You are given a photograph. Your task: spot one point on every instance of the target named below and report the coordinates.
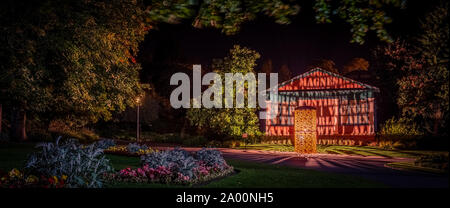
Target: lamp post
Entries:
(137, 119)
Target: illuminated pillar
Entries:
(305, 125)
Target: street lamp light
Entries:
(138, 100)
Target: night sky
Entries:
(298, 44)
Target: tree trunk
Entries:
(183, 130)
(436, 125)
(18, 125)
(0, 118)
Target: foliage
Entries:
(229, 15)
(128, 150)
(105, 144)
(418, 69)
(176, 166)
(266, 67)
(83, 165)
(165, 175)
(18, 179)
(401, 127)
(401, 133)
(81, 134)
(284, 73)
(176, 159)
(325, 64)
(134, 147)
(424, 93)
(362, 15)
(230, 121)
(438, 161)
(356, 64)
(192, 141)
(75, 62)
(39, 135)
(211, 157)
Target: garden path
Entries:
(370, 167)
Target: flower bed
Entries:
(72, 165)
(17, 179)
(82, 166)
(132, 149)
(175, 167)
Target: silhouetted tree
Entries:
(356, 64)
(325, 64)
(419, 68)
(284, 74)
(266, 67)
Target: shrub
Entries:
(402, 127)
(195, 141)
(125, 150)
(402, 133)
(135, 148)
(274, 139)
(88, 134)
(177, 160)
(81, 134)
(83, 165)
(437, 161)
(214, 143)
(39, 135)
(232, 144)
(211, 157)
(176, 166)
(105, 144)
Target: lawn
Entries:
(347, 150)
(257, 175)
(250, 175)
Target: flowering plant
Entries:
(130, 149)
(83, 165)
(173, 166)
(18, 179)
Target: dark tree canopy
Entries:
(418, 69)
(356, 64)
(75, 60)
(325, 64)
(284, 73)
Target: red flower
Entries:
(51, 181)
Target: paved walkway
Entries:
(370, 167)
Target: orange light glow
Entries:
(305, 130)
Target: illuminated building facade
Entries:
(345, 107)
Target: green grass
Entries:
(258, 175)
(269, 147)
(347, 150)
(250, 175)
(14, 155)
(412, 167)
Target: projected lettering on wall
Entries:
(345, 107)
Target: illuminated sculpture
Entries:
(345, 107)
(305, 126)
